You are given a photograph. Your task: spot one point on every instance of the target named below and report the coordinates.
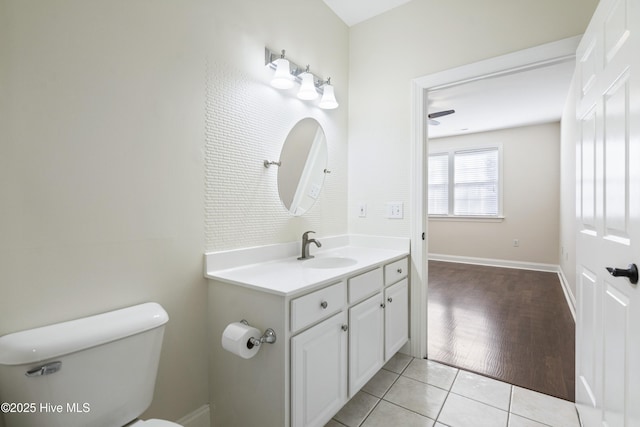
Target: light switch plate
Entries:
(395, 210)
(315, 191)
(362, 210)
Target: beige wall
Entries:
(414, 40)
(102, 173)
(569, 133)
(531, 199)
(103, 157)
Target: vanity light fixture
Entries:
(308, 90)
(328, 101)
(282, 78)
(287, 73)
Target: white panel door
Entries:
(608, 216)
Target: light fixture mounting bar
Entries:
(271, 55)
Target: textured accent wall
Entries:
(247, 122)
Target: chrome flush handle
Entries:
(46, 369)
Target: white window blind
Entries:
(439, 184)
(476, 182)
(465, 183)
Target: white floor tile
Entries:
(397, 363)
(356, 410)
(518, 421)
(483, 389)
(544, 409)
(380, 383)
(387, 414)
(459, 411)
(417, 396)
(431, 372)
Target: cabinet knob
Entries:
(324, 304)
(345, 328)
(382, 305)
(390, 299)
(399, 271)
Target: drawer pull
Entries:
(399, 271)
(324, 305)
(345, 328)
(390, 299)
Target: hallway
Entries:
(509, 324)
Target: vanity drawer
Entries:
(396, 271)
(317, 305)
(365, 284)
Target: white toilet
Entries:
(96, 371)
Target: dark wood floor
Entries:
(509, 324)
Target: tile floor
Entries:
(410, 392)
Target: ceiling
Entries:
(355, 11)
(509, 100)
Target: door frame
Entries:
(531, 58)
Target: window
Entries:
(439, 184)
(465, 183)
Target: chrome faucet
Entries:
(306, 241)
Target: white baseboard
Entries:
(198, 418)
(571, 299)
(495, 262)
(551, 268)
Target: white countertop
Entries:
(288, 276)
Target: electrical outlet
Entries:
(516, 243)
(395, 210)
(362, 210)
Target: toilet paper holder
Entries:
(269, 337)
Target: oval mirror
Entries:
(303, 161)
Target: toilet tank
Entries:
(95, 371)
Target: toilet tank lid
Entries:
(55, 340)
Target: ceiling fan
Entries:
(433, 116)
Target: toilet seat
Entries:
(154, 423)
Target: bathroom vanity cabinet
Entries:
(372, 324)
(333, 335)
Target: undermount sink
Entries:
(330, 262)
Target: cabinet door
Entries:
(396, 327)
(319, 372)
(366, 328)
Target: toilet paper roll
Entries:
(235, 339)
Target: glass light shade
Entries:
(328, 101)
(282, 78)
(307, 88)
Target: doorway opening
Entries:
(530, 59)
